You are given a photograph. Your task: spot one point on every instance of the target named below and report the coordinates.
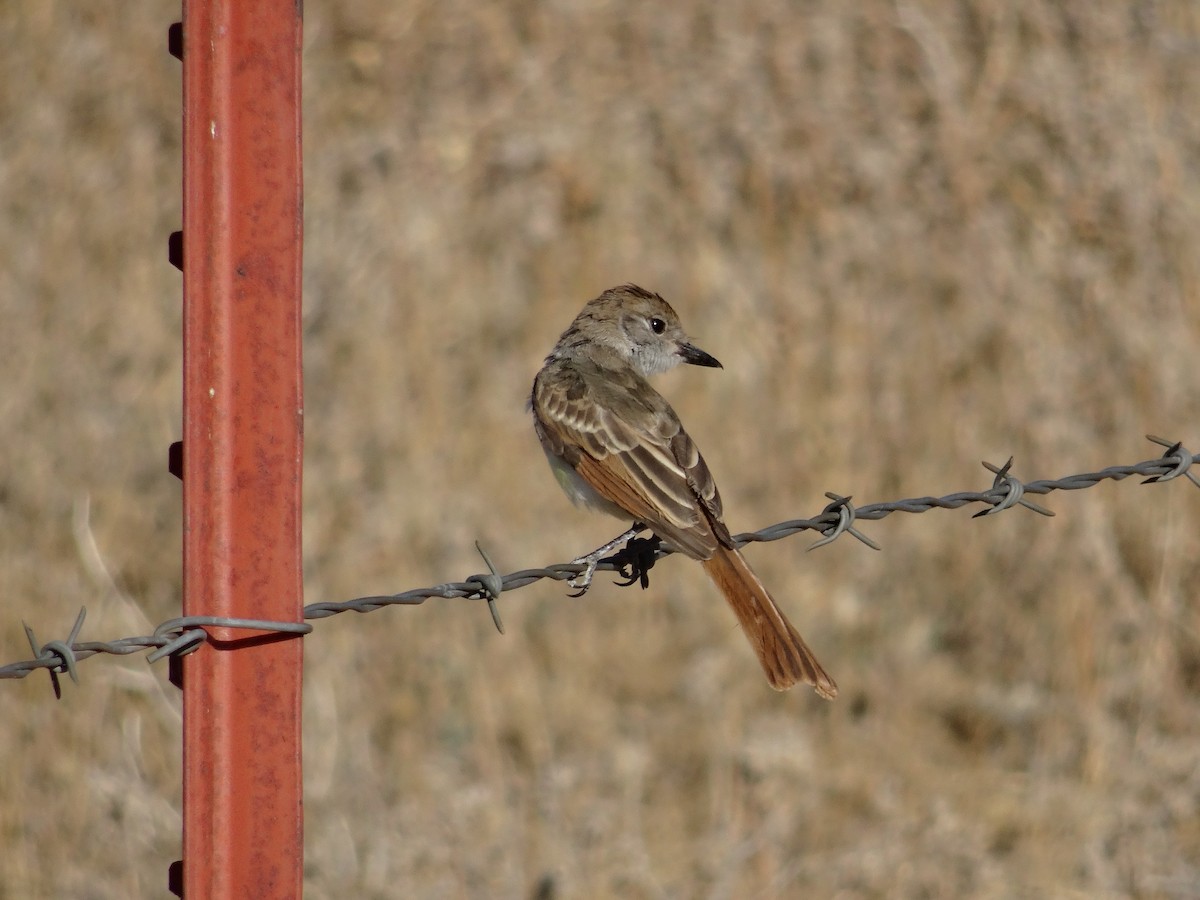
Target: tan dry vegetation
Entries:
(917, 234)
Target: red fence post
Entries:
(242, 824)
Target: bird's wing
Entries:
(622, 437)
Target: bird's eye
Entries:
(657, 325)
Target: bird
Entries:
(615, 445)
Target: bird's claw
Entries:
(636, 559)
(583, 580)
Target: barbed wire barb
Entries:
(1183, 461)
(490, 586)
(182, 635)
(1013, 491)
(58, 656)
(845, 523)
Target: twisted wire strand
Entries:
(179, 636)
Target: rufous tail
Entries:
(782, 652)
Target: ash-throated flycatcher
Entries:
(616, 445)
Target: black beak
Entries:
(695, 356)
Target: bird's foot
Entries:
(583, 580)
(636, 559)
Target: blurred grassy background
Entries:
(917, 234)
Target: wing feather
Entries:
(622, 437)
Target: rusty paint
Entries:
(242, 830)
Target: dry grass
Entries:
(917, 236)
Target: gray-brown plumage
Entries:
(615, 444)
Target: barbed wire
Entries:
(182, 635)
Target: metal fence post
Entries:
(241, 256)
